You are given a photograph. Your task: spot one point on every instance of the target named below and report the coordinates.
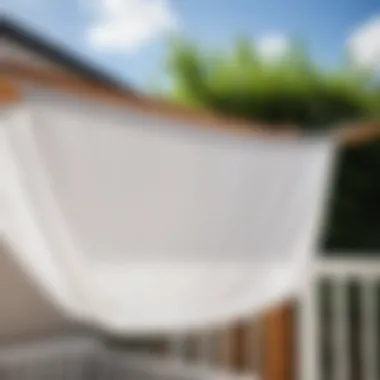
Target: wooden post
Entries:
(275, 341)
(279, 344)
(233, 344)
(8, 91)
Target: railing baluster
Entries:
(340, 352)
(309, 342)
(226, 348)
(177, 346)
(368, 329)
(205, 347)
(253, 345)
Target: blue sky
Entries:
(127, 37)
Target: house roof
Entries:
(26, 38)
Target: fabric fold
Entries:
(157, 226)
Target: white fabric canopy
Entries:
(140, 225)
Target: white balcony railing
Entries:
(349, 331)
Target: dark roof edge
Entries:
(32, 41)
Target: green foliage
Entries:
(289, 90)
(293, 90)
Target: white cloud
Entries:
(126, 25)
(272, 47)
(364, 44)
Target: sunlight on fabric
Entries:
(160, 226)
(23, 237)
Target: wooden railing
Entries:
(331, 332)
(260, 347)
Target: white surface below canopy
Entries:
(141, 226)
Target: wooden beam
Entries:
(279, 344)
(352, 135)
(150, 106)
(8, 91)
(349, 135)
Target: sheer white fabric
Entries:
(146, 226)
